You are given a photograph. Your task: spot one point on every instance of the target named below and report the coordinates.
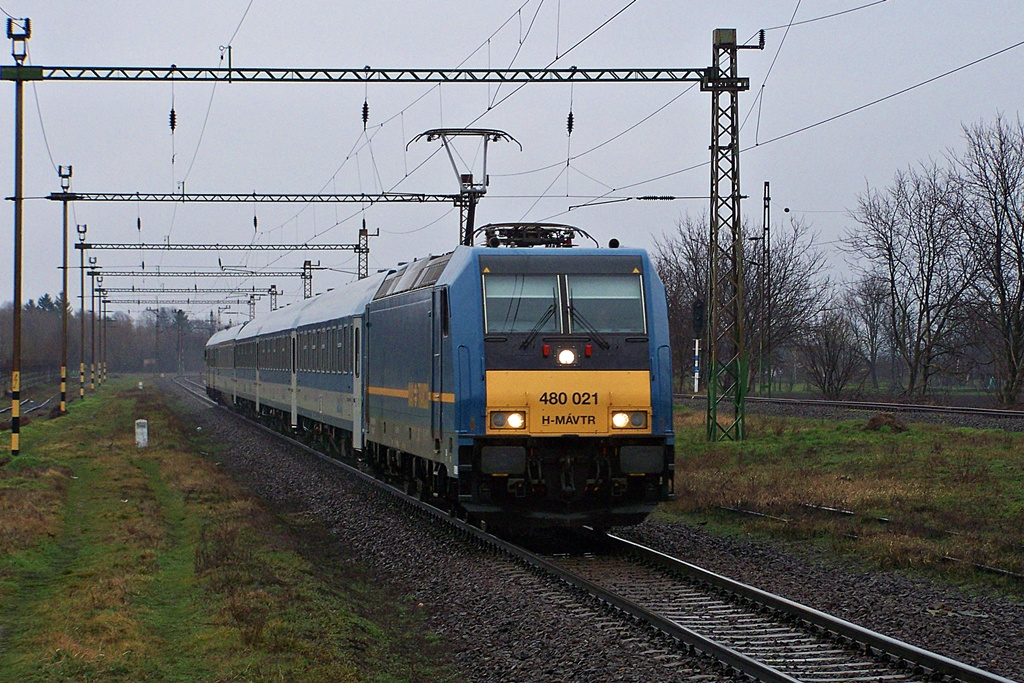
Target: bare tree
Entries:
(681, 259)
(867, 301)
(797, 283)
(910, 236)
(831, 352)
(991, 172)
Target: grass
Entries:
(121, 564)
(920, 494)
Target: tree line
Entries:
(935, 300)
(158, 340)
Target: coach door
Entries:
(357, 384)
(293, 390)
(437, 388)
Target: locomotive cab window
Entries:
(521, 303)
(606, 304)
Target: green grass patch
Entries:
(121, 564)
(920, 493)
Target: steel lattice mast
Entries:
(727, 362)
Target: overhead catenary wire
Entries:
(824, 16)
(817, 124)
(759, 100)
(39, 113)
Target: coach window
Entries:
(606, 303)
(336, 349)
(521, 303)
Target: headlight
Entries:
(502, 420)
(634, 420)
(566, 357)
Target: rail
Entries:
(738, 662)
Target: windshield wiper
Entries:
(536, 328)
(576, 316)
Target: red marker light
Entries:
(588, 350)
(546, 350)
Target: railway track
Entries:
(874, 406)
(757, 635)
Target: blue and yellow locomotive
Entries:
(522, 387)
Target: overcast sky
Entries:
(309, 138)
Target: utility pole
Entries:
(82, 229)
(65, 184)
(19, 35)
(92, 325)
(103, 339)
(765, 350)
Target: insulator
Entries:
(138, 223)
(366, 113)
(568, 123)
(254, 222)
(173, 119)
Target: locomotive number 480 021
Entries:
(561, 398)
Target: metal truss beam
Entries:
(253, 197)
(364, 75)
(175, 302)
(218, 247)
(199, 273)
(186, 290)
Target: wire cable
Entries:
(813, 125)
(825, 16)
(39, 112)
(889, 96)
(760, 95)
(240, 22)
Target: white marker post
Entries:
(696, 365)
(141, 434)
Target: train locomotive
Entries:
(521, 387)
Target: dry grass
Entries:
(945, 492)
(126, 564)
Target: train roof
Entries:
(348, 299)
(352, 298)
(225, 335)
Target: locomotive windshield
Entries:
(521, 303)
(605, 303)
(533, 303)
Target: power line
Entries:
(825, 16)
(890, 96)
(240, 21)
(810, 126)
